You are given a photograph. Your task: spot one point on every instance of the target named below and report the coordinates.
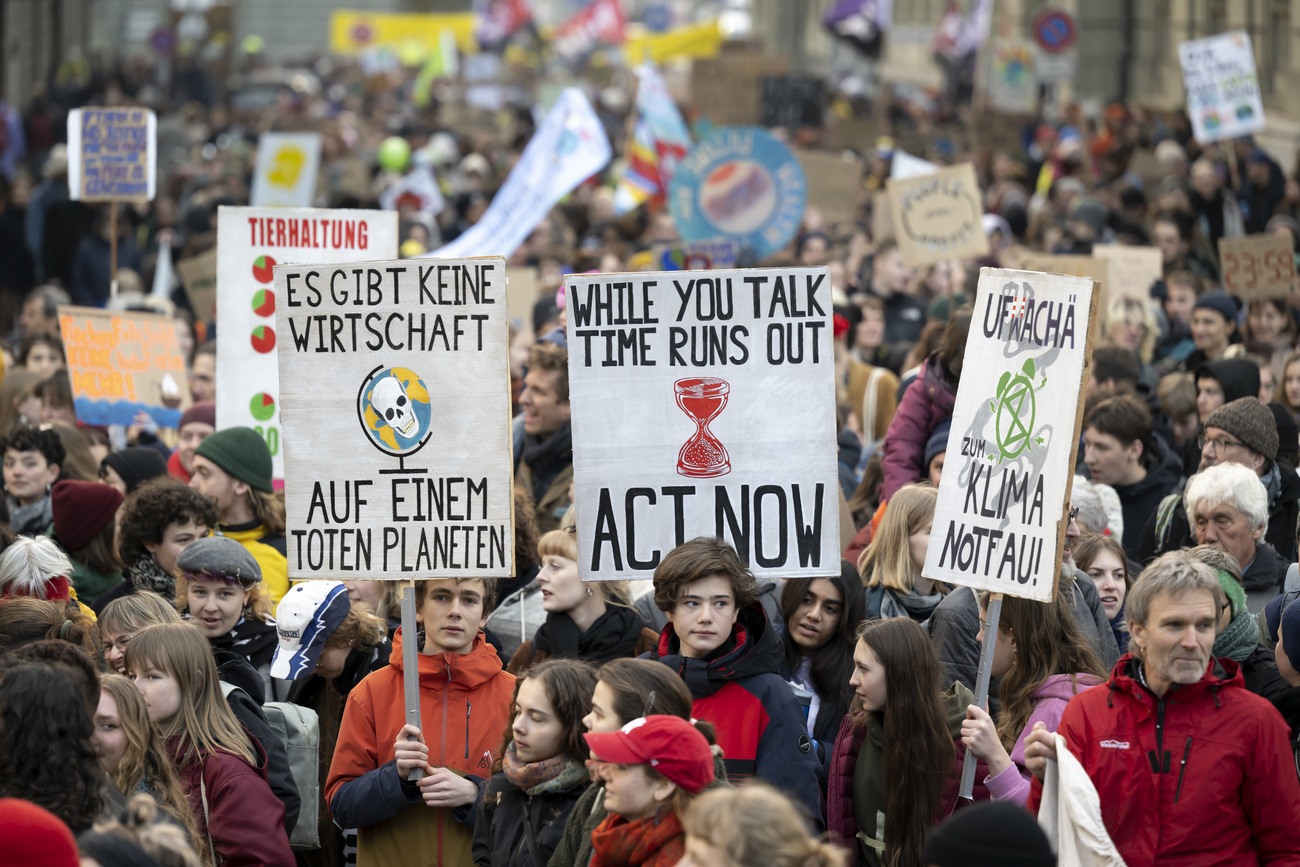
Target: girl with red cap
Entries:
(653, 768)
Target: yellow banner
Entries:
(695, 40)
(352, 32)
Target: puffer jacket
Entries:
(928, 402)
(1209, 763)
(464, 706)
(500, 832)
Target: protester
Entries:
(382, 597)
(197, 424)
(157, 523)
(221, 768)
(821, 618)
(120, 619)
(1104, 560)
(992, 834)
(203, 378)
(891, 565)
(1217, 782)
(144, 836)
(593, 621)
(1238, 636)
(719, 641)
(32, 458)
(544, 465)
(1228, 508)
(128, 469)
(84, 527)
(891, 281)
(897, 762)
(223, 597)
(25, 621)
(653, 768)
(36, 567)
(368, 786)
(754, 826)
(1287, 702)
(233, 467)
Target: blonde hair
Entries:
(136, 611)
(564, 543)
(887, 560)
(162, 841)
(1134, 312)
(361, 628)
(757, 826)
(204, 723)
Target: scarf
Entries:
(250, 638)
(1119, 626)
(656, 841)
(613, 635)
(1273, 484)
(1237, 642)
(913, 605)
(32, 519)
(146, 574)
(545, 458)
(556, 774)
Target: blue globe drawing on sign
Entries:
(393, 406)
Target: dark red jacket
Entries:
(927, 401)
(1199, 778)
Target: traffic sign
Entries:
(1054, 30)
(163, 41)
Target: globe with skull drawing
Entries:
(393, 405)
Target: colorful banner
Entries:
(599, 22)
(499, 21)
(710, 411)
(860, 23)
(353, 32)
(660, 140)
(250, 243)
(398, 448)
(695, 256)
(418, 190)
(287, 164)
(695, 41)
(121, 364)
(1012, 86)
(742, 184)
(999, 524)
(112, 154)
(939, 215)
(569, 147)
(1223, 99)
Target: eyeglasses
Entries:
(1219, 446)
(121, 643)
(1073, 514)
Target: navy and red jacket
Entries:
(760, 723)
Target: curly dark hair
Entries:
(152, 507)
(52, 651)
(46, 756)
(29, 438)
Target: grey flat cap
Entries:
(221, 555)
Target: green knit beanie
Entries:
(242, 453)
(1233, 589)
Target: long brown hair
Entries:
(145, 758)
(205, 723)
(919, 752)
(1048, 642)
(569, 684)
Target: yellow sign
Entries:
(695, 40)
(352, 32)
(288, 165)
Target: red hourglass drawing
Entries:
(702, 457)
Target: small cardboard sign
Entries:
(1223, 99)
(1000, 522)
(287, 164)
(1073, 266)
(1257, 266)
(112, 154)
(199, 277)
(833, 183)
(120, 364)
(938, 216)
(521, 294)
(396, 415)
(1130, 270)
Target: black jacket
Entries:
(1142, 498)
(1261, 674)
(500, 830)
(1287, 703)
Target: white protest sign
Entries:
(395, 379)
(703, 405)
(418, 191)
(1223, 99)
(1012, 84)
(903, 166)
(250, 243)
(999, 524)
(112, 154)
(287, 163)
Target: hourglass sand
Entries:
(703, 399)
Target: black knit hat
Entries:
(1249, 421)
(242, 453)
(991, 834)
(136, 465)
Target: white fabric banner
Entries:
(703, 405)
(250, 243)
(395, 378)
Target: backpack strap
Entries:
(1165, 519)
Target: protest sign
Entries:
(834, 183)
(566, 149)
(703, 404)
(1257, 266)
(121, 364)
(1130, 271)
(1223, 99)
(418, 191)
(999, 523)
(695, 256)
(287, 163)
(743, 184)
(353, 32)
(792, 101)
(199, 277)
(882, 218)
(938, 216)
(1073, 266)
(250, 243)
(112, 154)
(903, 165)
(1012, 86)
(521, 295)
(378, 361)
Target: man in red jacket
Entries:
(1191, 768)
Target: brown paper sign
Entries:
(938, 216)
(1074, 266)
(1132, 270)
(1257, 266)
(199, 276)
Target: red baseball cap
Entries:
(669, 744)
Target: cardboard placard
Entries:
(521, 294)
(287, 164)
(938, 216)
(1073, 266)
(1130, 270)
(1223, 99)
(999, 523)
(112, 154)
(882, 217)
(834, 183)
(397, 419)
(199, 277)
(1257, 266)
(121, 364)
(735, 370)
(250, 243)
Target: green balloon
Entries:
(394, 153)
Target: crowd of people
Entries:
(167, 697)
